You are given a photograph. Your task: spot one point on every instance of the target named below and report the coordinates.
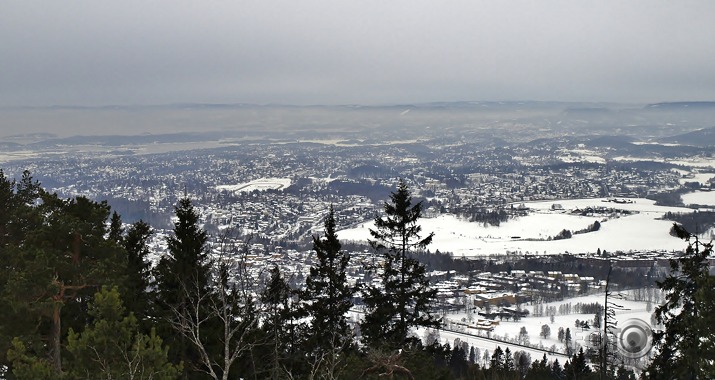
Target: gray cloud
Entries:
(367, 52)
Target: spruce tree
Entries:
(327, 296)
(116, 230)
(556, 370)
(404, 299)
(182, 278)
(138, 271)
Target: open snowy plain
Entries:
(641, 230)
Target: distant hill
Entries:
(682, 105)
(611, 141)
(700, 137)
(10, 146)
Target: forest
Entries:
(81, 300)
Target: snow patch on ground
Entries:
(259, 184)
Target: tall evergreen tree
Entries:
(557, 371)
(181, 276)
(15, 218)
(404, 299)
(497, 361)
(327, 296)
(59, 255)
(509, 361)
(116, 230)
(138, 272)
(686, 348)
(568, 347)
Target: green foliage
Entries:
(577, 368)
(180, 274)
(26, 366)
(115, 229)
(111, 347)
(404, 300)
(327, 298)
(539, 370)
(186, 263)
(686, 348)
(54, 254)
(137, 269)
(278, 328)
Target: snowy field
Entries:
(701, 178)
(694, 162)
(705, 198)
(636, 232)
(11, 156)
(259, 184)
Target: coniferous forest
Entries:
(82, 300)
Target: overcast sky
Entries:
(354, 52)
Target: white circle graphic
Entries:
(635, 338)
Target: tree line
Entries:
(83, 301)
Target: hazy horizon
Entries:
(354, 53)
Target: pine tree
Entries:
(14, 216)
(112, 347)
(59, 255)
(404, 299)
(327, 296)
(182, 274)
(686, 348)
